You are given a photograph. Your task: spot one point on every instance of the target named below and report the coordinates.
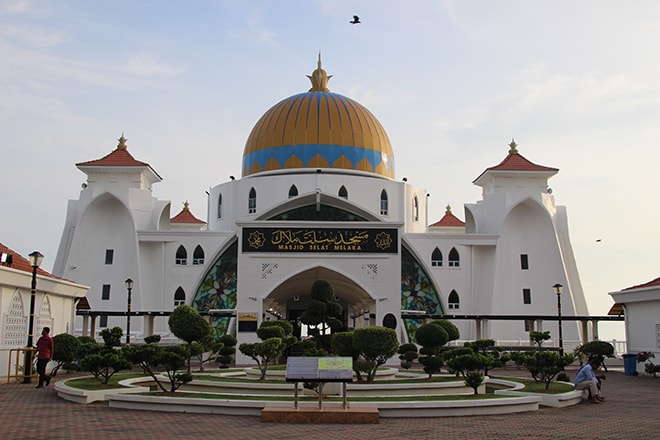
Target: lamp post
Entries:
(35, 261)
(557, 288)
(129, 287)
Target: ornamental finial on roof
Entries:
(448, 210)
(122, 143)
(319, 79)
(186, 206)
(513, 146)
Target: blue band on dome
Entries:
(330, 153)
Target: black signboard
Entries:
(336, 240)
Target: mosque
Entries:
(318, 199)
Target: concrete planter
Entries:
(554, 400)
(88, 396)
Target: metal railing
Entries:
(19, 370)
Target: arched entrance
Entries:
(291, 297)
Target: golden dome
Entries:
(318, 129)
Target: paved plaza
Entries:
(630, 412)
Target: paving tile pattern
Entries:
(630, 412)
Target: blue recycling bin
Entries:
(630, 364)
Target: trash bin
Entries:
(630, 364)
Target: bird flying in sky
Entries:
(355, 20)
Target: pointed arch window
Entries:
(181, 258)
(198, 256)
(219, 205)
(454, 258)
(45, 319)
(15, 322)
(252, 201)
(383, 203)
(436, 258)
(293, 191)
(453, 301)
(179, 297)
(343, 192)
(416, 209)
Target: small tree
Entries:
(545, 365)
(342, 344)
(376, 345)
(189, 326)
(323, 314)
(107, 361)
(312, 348)
(151, 358)
(226, 353)
(153, 339)
(595, 349)
(274, 338)
(287, 331)
(450, 353)
(493, 356)
(474, 379)
(407, 354)
(539, 338)
(453, 333)
(66, 351)
(88, 345)
(465, 363)
(431, 337)
(206, 350)
(263, 353)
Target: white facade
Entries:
(55, 301)
(642, 312)
(482, 258)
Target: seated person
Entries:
(586, 379)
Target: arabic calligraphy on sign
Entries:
(318, 237)
(320, 240)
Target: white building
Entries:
(54, 306)
(641, 306)
(318, 199)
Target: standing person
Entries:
(586, 380)
(45, 348)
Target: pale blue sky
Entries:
(575, 82)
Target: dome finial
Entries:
(513, 145)
(319, 78)
(122, 143)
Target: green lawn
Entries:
(92, 384)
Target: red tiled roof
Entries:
(515, 161)
(616, 310)
(185, 216)
(21, 263)
(655, 282)
(449, 219)
(119, 157)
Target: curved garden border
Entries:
(134, 397)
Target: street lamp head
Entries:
(129, 283)
(36, 258)
(557, 288)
